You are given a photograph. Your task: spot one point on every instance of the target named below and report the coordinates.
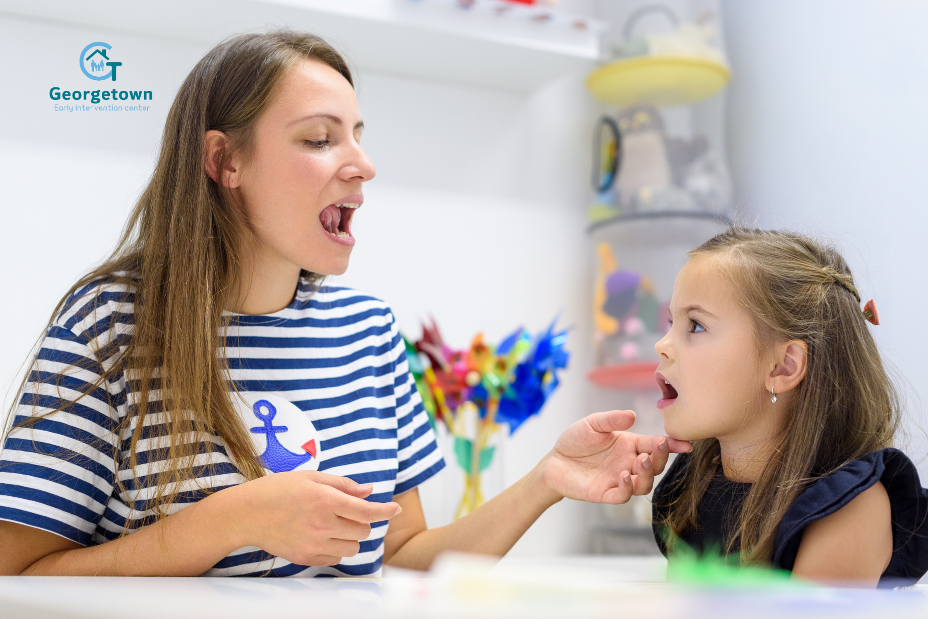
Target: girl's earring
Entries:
(773, 396)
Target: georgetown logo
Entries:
(96, 62)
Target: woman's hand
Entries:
(596, 460)
(307, 517)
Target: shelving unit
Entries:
(632, 376)
(655, 244)
(674, 218)
(425, 39)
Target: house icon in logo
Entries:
(93, 63)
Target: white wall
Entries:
(477, 215)
(828, 135)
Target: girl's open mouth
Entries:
(668, 393)
(336, 219)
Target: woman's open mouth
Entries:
(668, 393)
(336, 219)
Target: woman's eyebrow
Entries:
(332, 117)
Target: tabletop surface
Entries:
(459, 586)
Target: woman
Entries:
(204, 353)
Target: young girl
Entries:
(204, 354)
(770, 367)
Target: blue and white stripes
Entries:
(334, 353)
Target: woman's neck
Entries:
(267, 284)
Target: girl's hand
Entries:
(596, 460)
(307, 517)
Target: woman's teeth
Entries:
(333, 219)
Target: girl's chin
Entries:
(674, 431)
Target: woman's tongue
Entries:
(330, 218)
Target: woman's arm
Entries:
(305, 517)
(593, 460)
(853, 545)
(492, 529)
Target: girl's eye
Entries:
(318, 143)
(695, 327)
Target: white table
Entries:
(561, 588)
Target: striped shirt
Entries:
(325, 386)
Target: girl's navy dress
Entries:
(720, 506)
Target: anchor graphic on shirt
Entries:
(276, 457)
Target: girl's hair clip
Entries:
(871, 313)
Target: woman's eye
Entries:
(318, 143)
(695, 327)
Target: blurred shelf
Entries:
(634, 376)
(501, 47)
(657, 80)
(720, 218)
(628, 540)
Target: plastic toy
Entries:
(474, 392)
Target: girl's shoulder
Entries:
(826, 495)
(670, 484)
(665, 494)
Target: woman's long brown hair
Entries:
(180, 252)
(844, 408)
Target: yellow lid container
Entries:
(657, 80)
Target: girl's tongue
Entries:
(667, 390)
(330, 218)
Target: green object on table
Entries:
(463, 449)
(712, 569)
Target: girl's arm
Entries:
(305, 517)
(593, 460)
(853, 545)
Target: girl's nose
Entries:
(662, 348)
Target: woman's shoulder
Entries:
(340, 301)
(827, 495)
(98, 305)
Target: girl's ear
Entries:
(791, 366)
(216, 144)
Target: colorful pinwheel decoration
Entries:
(505, 384)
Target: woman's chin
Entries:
(330, 266)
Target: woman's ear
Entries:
(792, 364)
(217, 145)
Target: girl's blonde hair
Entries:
(845, 407)
(181, 253)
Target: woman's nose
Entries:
(358, 166)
